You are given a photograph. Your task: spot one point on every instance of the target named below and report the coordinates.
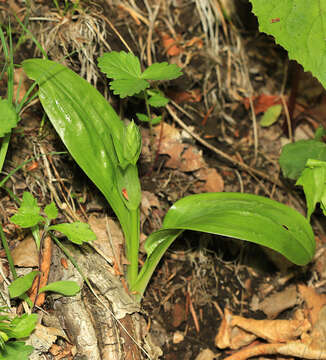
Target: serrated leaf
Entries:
(8, 117)
(294, 156)
(16, 350)
(22, 326)
(158, 100)
(142, 117)
(161, 71)
(128, 87)
(28, 214)
(51, 211)
(19, 286)
(120, 65)
(76, 232)
(65, 287)
(299, 27)
(271, 115)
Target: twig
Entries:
(220, 153)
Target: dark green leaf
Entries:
(21, 285)
(294, 156)
(66, 288)
(76, 232)
(28, 214)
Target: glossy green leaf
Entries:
(242, 216)
(297, 25)
(294, 156)
(28, 214)
(76, 232)
(8, 117)
(19, 286)
(64, 287)
(87, 125)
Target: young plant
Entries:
(12, 329)
(107, 151)
(128, 80)
(29, 215)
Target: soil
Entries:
(228, 66)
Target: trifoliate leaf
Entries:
(66, 288)
(8, 117)
(120, 65)
(158, 100)
(128, 87)
(297, 25)
(51, 211)
(161, 71)
(76, 232)
(28, 214)
(22, 326)
(271, 115)
(16, 350)
(21, 285)
(142, 117)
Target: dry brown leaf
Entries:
(213, 180)
(206, 354)
(171, 45)
(20, 79)
(148, 201)
(25, 253)
(314, 301)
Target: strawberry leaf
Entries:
(161, 71)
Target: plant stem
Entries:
(148, 111)
(8, 254)
(132, 247)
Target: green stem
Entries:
(132, 248)
(4, 148)
(8, 254)
(148, 111)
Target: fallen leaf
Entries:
(190, 96)
(171, 45)
(262, 102)
(213, 180)
(178, 314)
(25, 253)
(314, 301)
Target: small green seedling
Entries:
(12, 329)
(128, 80)
(29, 215)
(107, 151)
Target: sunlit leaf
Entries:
(51, 211)
(66, 288)
(19, 286)
(76, 232)
(28, 214)
(161, 71)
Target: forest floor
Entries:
(208, 291)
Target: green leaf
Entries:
(161, 71)
(299, 27)
(120, 65)
(51, 211)
(242, 216)
(271, 115)
(28, 214)
(66, 288)
(76, 232)
(19, 286)
(158, 100)
(156, 120)
(128, 87)
(294, 156)
(8, 117)
(313, 180)
(16, 350)
(22, 326)
(320, 132)
(87, 125)
(142, 117)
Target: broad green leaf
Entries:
(76, 232)
(51, 211)
(142, 117)
(294, 156)
(128, 87)
(161, 71)
(158, 100)
(28, 214)
(22, 326)
(66, 288)
(242, 216)
(271, 115)
(15, 350)
(8, 117)
(86, 123)
(120, 65)
(19, 286)
(297, 25)
(313, 182)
